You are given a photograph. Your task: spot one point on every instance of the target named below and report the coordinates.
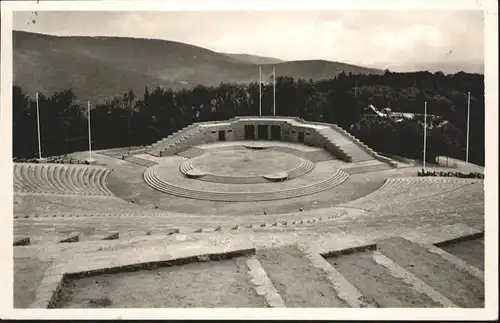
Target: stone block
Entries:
(25, 241)
(73, 237)
(112, 236)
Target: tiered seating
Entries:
(466, 199)
(72, 205)
(334, 180)
(163, 145)
(60, 179)
(409, 189)
(51, 218)
(52, 160)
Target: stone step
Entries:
(347, 144)
(201, 280)
(415, 282)
(161, 148)
(456, 284)
(296, 280)
(459, 263)
(164, 187)
(379, 287)
(470, 250)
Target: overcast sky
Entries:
(383, 39)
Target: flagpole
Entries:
(260, 91)
(468, 122)
(274, 91)
(90, 138)
(38, 127)
(425, 130)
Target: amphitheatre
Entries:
(247, 212)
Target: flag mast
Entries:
(38, 127)
(90, 138)
(274, 91)
(468, 122)
(260, 91)
(425, 131)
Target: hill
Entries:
(104, 67)
(447, 67)
(254, 59)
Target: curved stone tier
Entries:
(300, 166)
(60, 179)
(189, 171)
(412, 189)
(155, 182)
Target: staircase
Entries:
(164, 144)
(394, 273)
(298, 282)
(354, 153)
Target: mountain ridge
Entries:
(102, 67)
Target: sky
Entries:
(383, 39)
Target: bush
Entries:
(423, 173)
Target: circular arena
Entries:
(248, 212)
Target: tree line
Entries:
(133, 120)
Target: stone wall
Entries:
(235, 131)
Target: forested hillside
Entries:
(102, 67)
(142, 118)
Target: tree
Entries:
(160, 112)
(315, 104)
